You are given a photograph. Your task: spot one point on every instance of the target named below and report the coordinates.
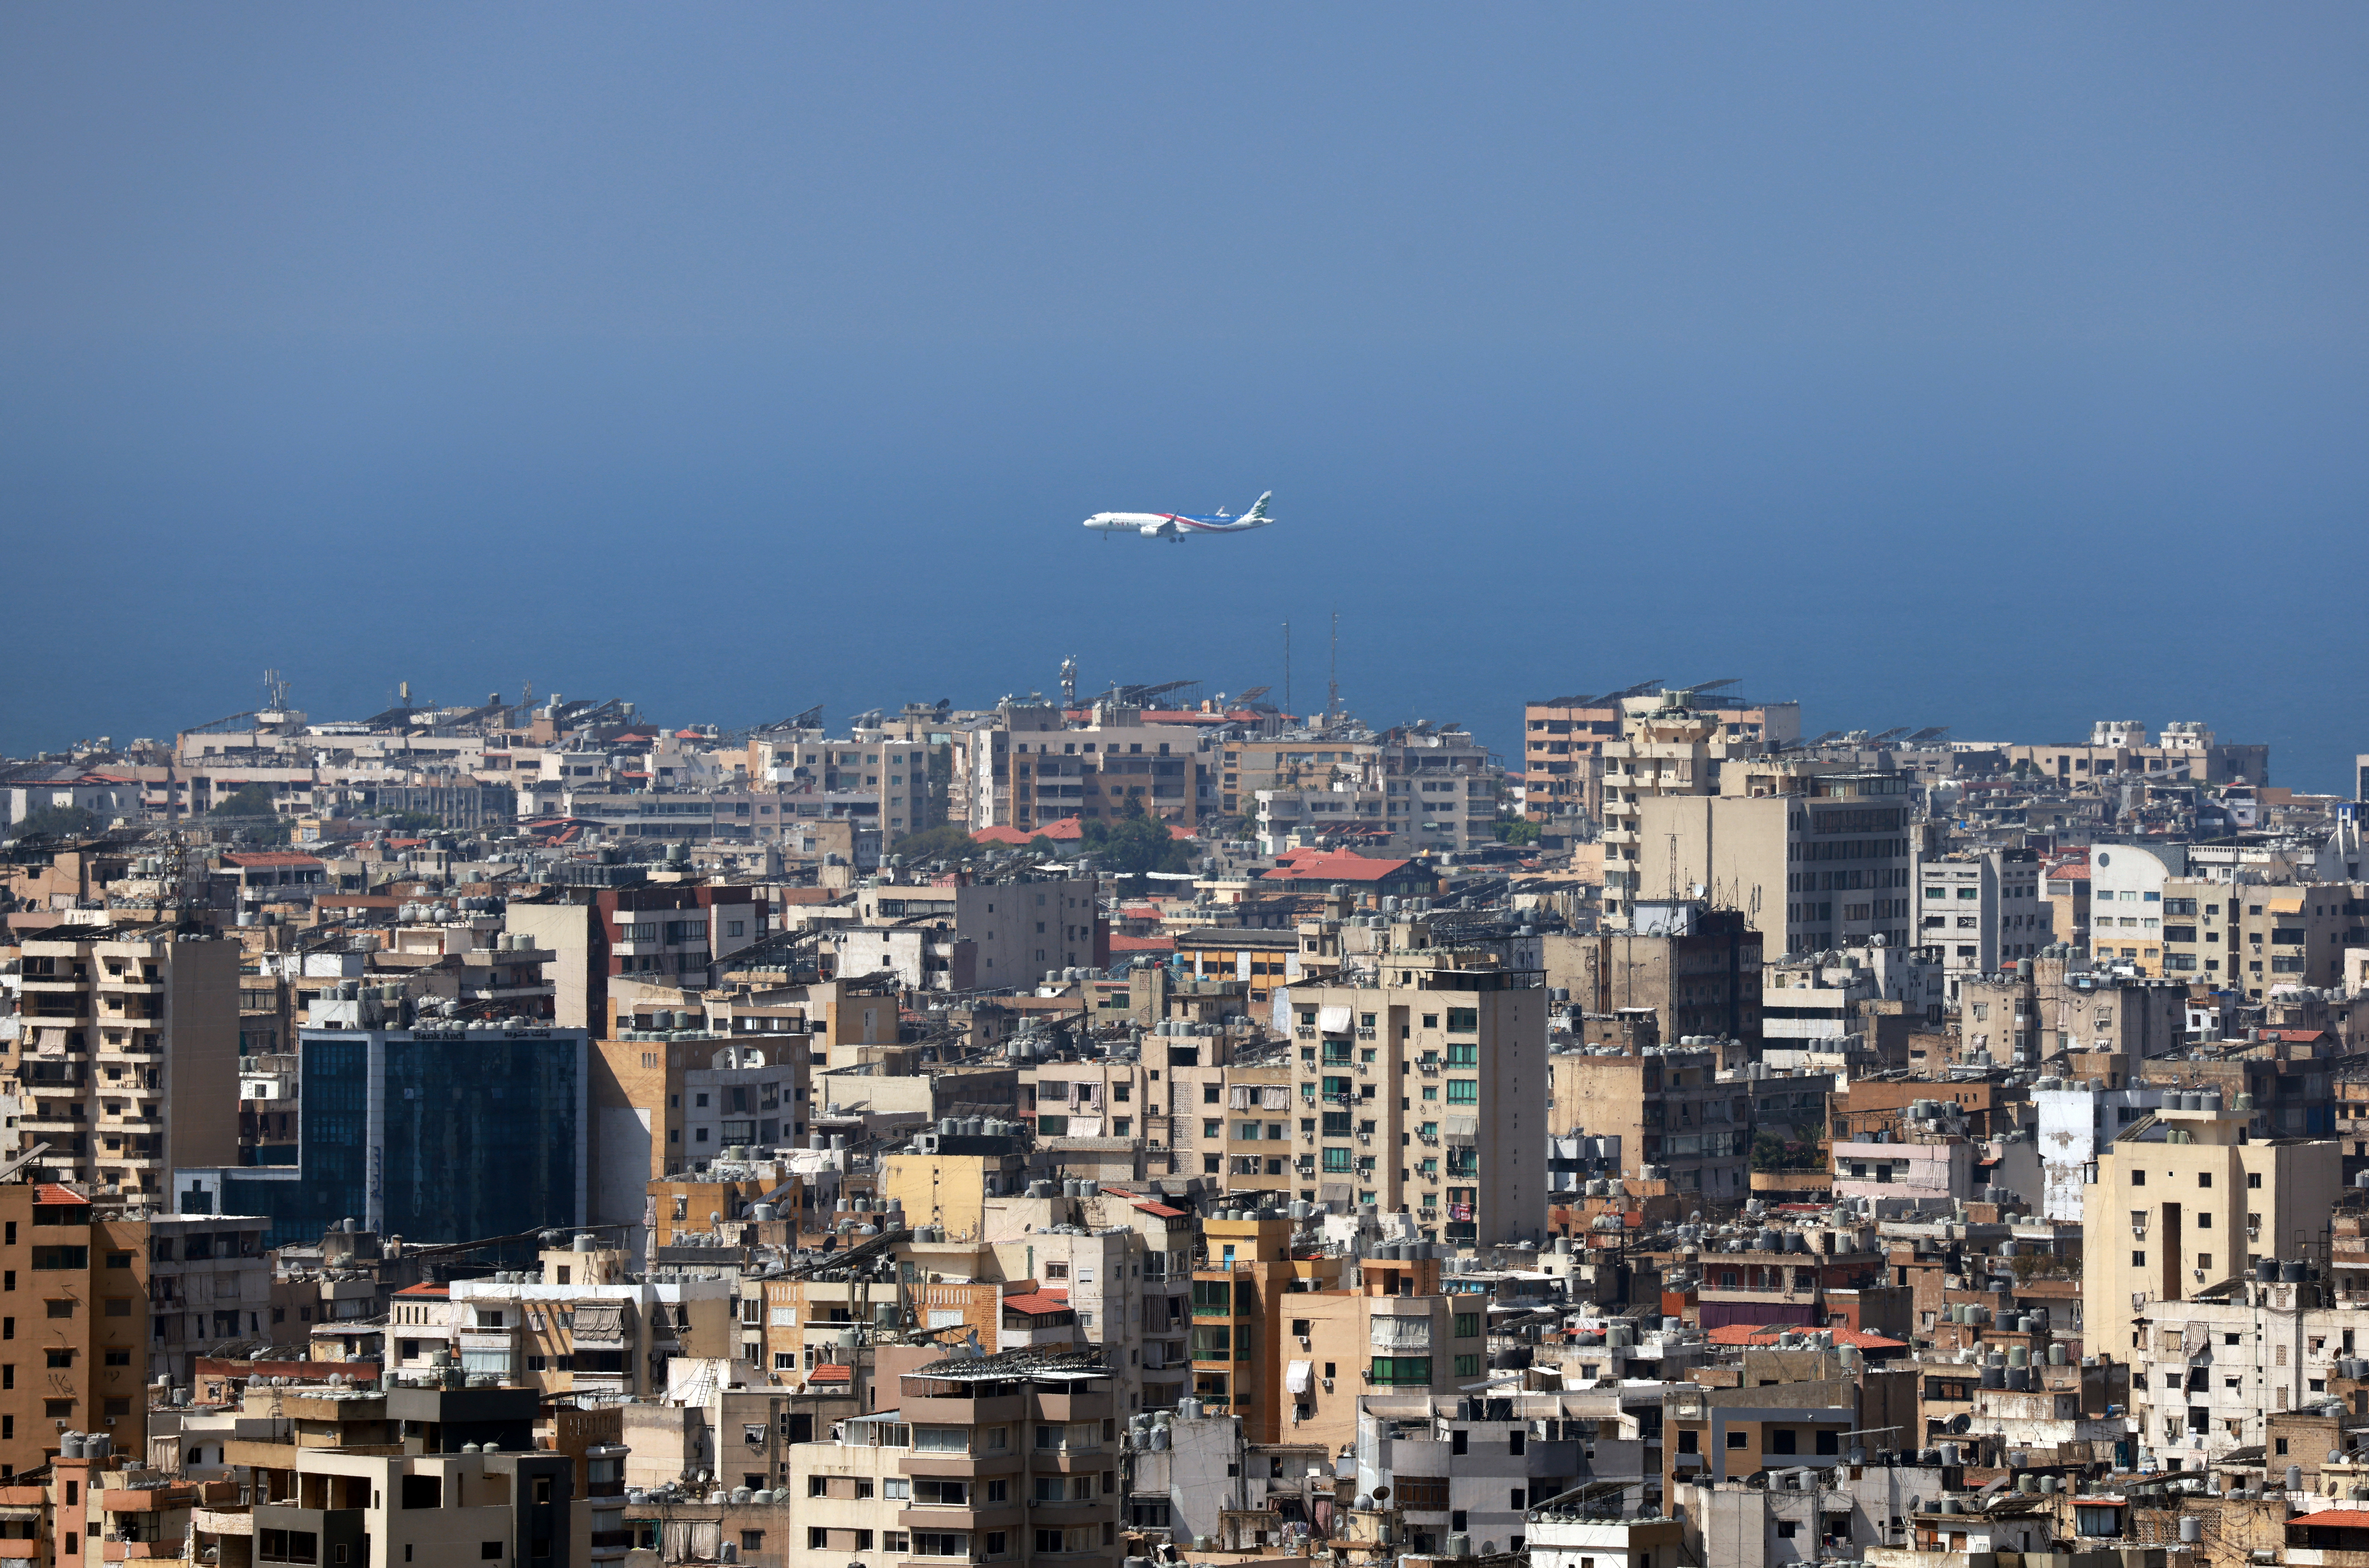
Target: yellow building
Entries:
(2181, 1202)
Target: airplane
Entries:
(1176, 526)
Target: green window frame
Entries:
(1463, 1020)
(1336, 1158)
(1397, 1371)
(1463, 1091)
(1464, 1053)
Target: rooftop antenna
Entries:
(1070, 682)
(1287, 668)
(275, 690)
(1332, 676)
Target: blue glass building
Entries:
(428, 1134)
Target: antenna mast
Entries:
(1287, 668)
(1332, 677)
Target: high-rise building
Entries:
(1422, 1081)
(74, 1336)
(2183, 1203)
(1817, 856)
(663, 935)
(128, 1059)
(1563, 740)
(1011, 1457)
(1978, 909)
(432, 1134)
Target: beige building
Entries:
(2180, 1204)
(1009, 1457)
(1563, 740)
(2254, 936)
(1401, 1065)
(129, 1055)
(1817, 857)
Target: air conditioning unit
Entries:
(1303, 1341)
(1328, 1385)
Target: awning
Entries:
(1296, 1375)
(599, 1320)
(1466, 1127)
(1334, 1021)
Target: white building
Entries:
(2126, 899)
(1976, 911)
(2076, 1121)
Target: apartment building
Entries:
(1011, 1457)
(1669, 1114)
(2118, 750)
(671, 1102)
(2257, 936)
(1402, 1064)
(80, 1304)
(2064, 889)
(961, 935)
(1977, 910)
(1563, 740)
(129, 1057)
(904, 770)
(208, 1287)
(2127, 886)
(579, 1326)
(2047, 1004)
(1030, 767)
(1698, 968)
(1816, 856)
(2181, 1201)
(1290, 1342)
(665, 934)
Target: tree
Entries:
(1135, 844)
(55, 823)
(946, 842)
(1514, 831)
(251, 800)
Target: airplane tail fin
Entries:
(1258, 510)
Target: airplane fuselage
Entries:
(1178, 526)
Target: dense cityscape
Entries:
(1153, 1124)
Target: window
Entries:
(1468, 1325)
(1735, 1440)
(1463, 1091)
(1468, 1366)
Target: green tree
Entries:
(1134, 844)
(251, 800)
(1514, 831)
(56, 822)
(944, 842)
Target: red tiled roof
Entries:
(1758, 1333)
(271, 857)
(49, 1192)
(2326, 1519)
(1036, 1303)
(1142, 943)
(1311, 865)
(425, 1290)
(831, 1372)
(998, 836)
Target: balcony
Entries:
(938, 1410)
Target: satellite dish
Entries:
(1382, 1493)
(1961, 1422)
(1916, 1503)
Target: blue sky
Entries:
(1998, 367)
